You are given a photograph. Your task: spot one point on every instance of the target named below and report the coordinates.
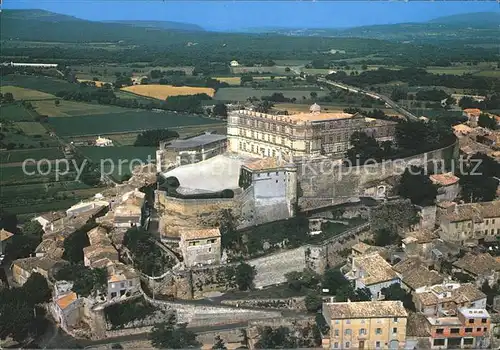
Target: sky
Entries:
(233, 15)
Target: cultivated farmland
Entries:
(129, 121)
(17, 156)
(71, 108)
(15, 113)
(44, 84)
(119, 161)
(161, 92)
(242, 93)
(32, 128)
(20, 93)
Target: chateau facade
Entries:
(302, 134)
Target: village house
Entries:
(67, 310)
(472, 115)
(366, 324)
(414, 274)
(46, 219)
(469, 223)
(482, 267)
(469, 329)
(51, 248)
(200, 246)
(448, 186)
(98, 235)
(23, 268)
(419, 244)
(462, 130)
(444, 299)
(85, 207)
(373, 272)
(5, 237)
(130, 212)
(93, 254)
(123, 280)
(362, 248)
(103, 142)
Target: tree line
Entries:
(417, 77)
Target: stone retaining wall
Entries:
(274, 303)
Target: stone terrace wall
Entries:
(297, 303)
(198, 315)
(320, 178)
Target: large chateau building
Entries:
(303, 134)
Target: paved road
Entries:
(372, 94)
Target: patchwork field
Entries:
(71, 108)
(237, 80)
(129, 121)
(119, 161)
(32, 128)
(242, 93)
(161, 92)
(15, 113)
(43, 84)
(20, 93)
(16, 156)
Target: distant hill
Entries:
(480, 27)
(161, 25)
(40, 25)
(475, 19)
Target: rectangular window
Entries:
(439, 331)
(377, 344)
(378, 331)
(394, 330)
(362, 331)
(471, 320)
(438, 342)
(455, 330)
(348, 331)
(395, 319)
(468, 341)
(493, 221)
(348, 321)
(468, 330)
(335, 345)
(336, 332)
(478, 329)
(484, 320)
(347, 345)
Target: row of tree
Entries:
(417, 77)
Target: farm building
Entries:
(35, 65)
(103, 142)
(234, 63)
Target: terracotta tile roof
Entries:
(477, 264)
(5, 235)
(98, 235)
(444, 179)
(191, 234)
(66, 300)
(265, 164)
(120, 272)
(473, 111)
(462, 128)
(474, 211)
(422, 236)
(366, 309)
(415, 275)
(417, 325)
(457, 293)
(362, 247)
(43, 263)
(374, 269)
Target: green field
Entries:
(119, 161)
(242, 93)
(44, 84)
(130, 121)
(32, 128)
(71, 108)
(271, 70)
(20, 93)
(489, 73)
(17, 156)
(16, 113)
